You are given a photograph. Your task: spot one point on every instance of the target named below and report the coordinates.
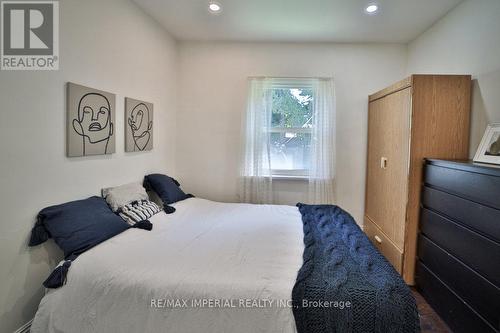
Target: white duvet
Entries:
(245, 257)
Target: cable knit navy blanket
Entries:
(345, 284)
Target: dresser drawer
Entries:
(454, 310)
(483, 219)
(383, 244)
(482, 295)
(481, 188)
(476, 251)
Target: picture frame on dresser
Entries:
(489, 149)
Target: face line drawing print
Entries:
(93, 122)
(140, 125)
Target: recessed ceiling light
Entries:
(371, 8)
(214, 7)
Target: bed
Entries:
(219, 267)
(204, 251)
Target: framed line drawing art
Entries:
(90, 121)
(489, 149)
(138, 125)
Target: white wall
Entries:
(213, 86)
(110, 45)
(467, 40)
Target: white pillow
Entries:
(119, 196)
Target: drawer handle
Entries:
(383, 162)
(378, 239)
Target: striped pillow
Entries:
(138, 211)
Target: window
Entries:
(290, 131)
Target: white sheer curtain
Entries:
(321, 173)
(256, 178)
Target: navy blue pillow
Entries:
(78, 225)
(167, 188)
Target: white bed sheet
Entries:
(205, 251)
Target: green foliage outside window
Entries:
(292, 108)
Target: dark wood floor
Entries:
(430, 322)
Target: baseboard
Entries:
(25, 328)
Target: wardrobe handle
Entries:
(383, 162)
(378, 239)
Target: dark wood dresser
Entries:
(458, 257)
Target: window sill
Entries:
(290, 177)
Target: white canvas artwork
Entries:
(90, 121)
(138, 125)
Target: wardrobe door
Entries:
(376, 179)
(388, 164)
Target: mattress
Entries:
(209, 267)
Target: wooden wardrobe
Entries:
(422, 116)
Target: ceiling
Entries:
(298, 20)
